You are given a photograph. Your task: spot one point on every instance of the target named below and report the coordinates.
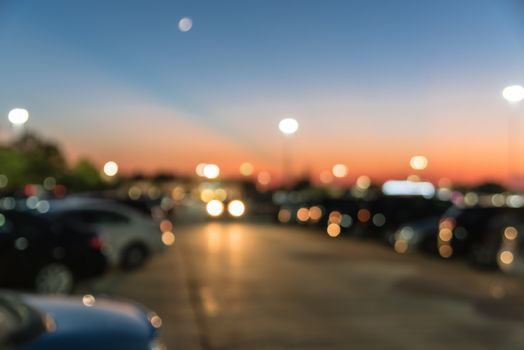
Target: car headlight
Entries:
(157, 344)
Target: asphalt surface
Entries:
(261, 286)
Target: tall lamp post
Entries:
(513, 94)
(288, 127)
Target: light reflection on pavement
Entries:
(256, 286)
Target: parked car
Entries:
(45, 255)
(476, 233)
(130, 237)
(80, 323)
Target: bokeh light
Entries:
(247, 169)
(236, 208)
(168, 238)
(303, 214)
(211, 171)
(166, 225)
(88, 300)
(264, 178)
(199, 170)
(418, 162)
(333, 230)
(207, 195)
(510, 233)
(513, 93)
(288, 126)
(110, 168)
(340, 170)
(363, 182)
(215, 208)
(326, 177)
(506, 257)
(18, 116)
(315, 213)
(185, 24)
(284, 215)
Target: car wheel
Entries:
(134, 256)
(54, 279)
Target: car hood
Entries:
(107, 324)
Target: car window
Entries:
(22, 224)
(97, 217)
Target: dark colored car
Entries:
(60, 323)
(476, 233)
(417, 235)
(381, 217)
(46, 255)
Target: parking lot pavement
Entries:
(256, 286)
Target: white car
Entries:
(129, 236)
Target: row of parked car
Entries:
(487, 235)
(70, 239)
(48, 245)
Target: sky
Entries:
(371, 83)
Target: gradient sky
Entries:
(371, 82)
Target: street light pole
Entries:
(288, 127)
(513, 94)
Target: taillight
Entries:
(96, 243)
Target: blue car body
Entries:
(98, 324)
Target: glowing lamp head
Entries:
(110, 168)
(418, 162)
(211, 171)
(18, 116)
(513, 93)
(339, 170)
(288, 126)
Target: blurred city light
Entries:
(333, 230)
(363, 182)
(211, 171)
(339, 170)
(284, 215)
(110, 168)
(200, 169)
(246, 169)
(185, 24)
(408, 188)
(18, 116)
(236, 208)
(326, 177)
(88, 300)
(288, 126)
(418, 162)
(215, 208)
(513, 93)
(303, 214)
(168, 238)
(264, 178)
(207, 195)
